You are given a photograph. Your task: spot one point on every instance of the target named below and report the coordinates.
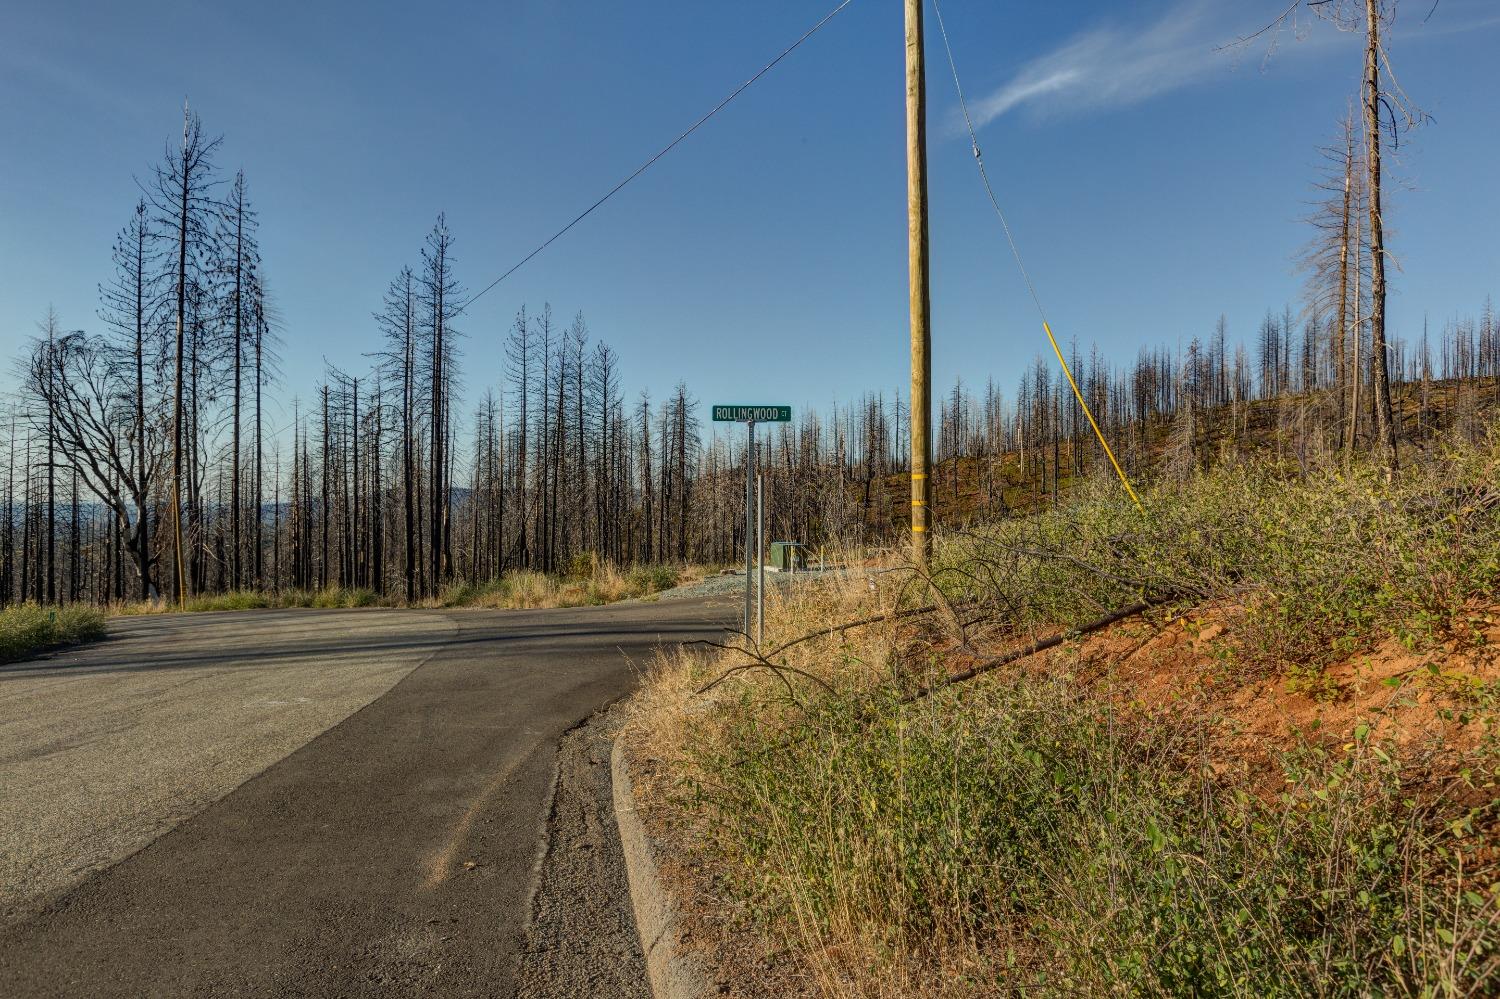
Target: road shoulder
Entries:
(581, 938)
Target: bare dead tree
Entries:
(440, 296)
(238, 270)
(89, 404)
(1387, 110)
(132, 304)
(186, 207)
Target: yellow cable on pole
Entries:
(1086, 412)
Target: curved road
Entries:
(394, 853)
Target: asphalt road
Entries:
(393, 854)
(106, 747)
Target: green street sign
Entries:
(752, 414)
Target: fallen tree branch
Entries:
(1134, 584)
(989, 665)
(779, 670)
(847, 626)
(1044, 644)
(763, 661)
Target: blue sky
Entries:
(1152, 182)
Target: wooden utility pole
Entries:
(921, 306)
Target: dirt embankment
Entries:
(1435, 701)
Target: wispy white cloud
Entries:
(1112, 65)
(1117, 65)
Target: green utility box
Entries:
(788, 556)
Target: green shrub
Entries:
(460, 595)
(339, 597)
(647, 579)
(583, 565)
(590, 583)
(237, 600)
(27, 628)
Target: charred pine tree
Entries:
(237, 245)
(8, 556)
(324, 488)
(440, 299)
(183, 199)
(131, 305)
(578, 338)
(264, 356)
(1385, 424)
(519, 355)
(543, 449)
(398, 322)
(376, 514)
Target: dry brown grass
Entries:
(592, 583)
(669, 697)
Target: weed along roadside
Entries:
(27, 629)
(1272, 773)
(590, 583)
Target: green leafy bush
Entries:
(648, 579)
(1323, 562)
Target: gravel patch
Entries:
(582, 939)
(733, 585)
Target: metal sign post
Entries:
(760, 562)
(749, 523)
(754, 517)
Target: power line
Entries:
(1020, 264)
(661, 152)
